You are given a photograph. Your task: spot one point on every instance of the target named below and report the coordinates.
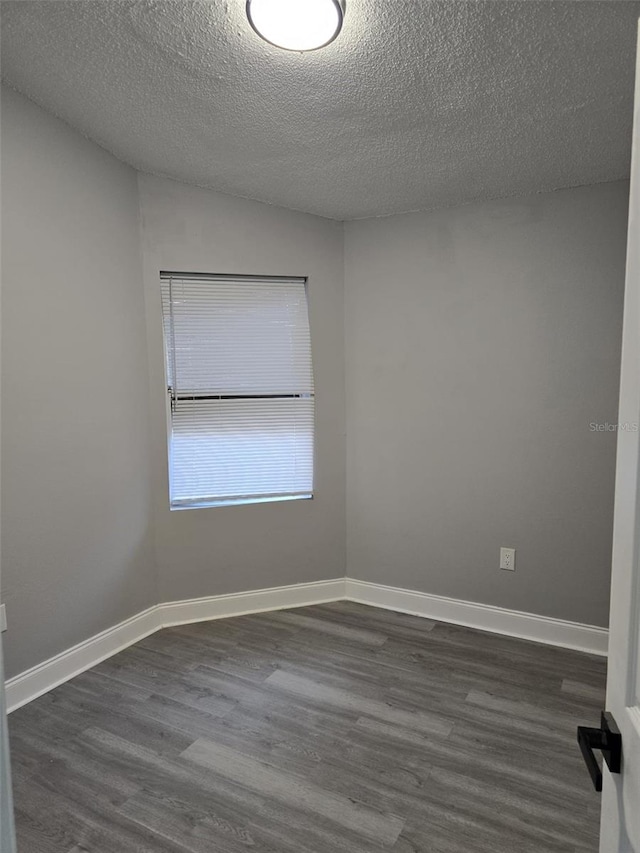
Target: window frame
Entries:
(240, 500)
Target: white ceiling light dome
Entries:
(296, 24)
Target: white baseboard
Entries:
(254, 601)
(56, 670)
(513, 623)
(49, 674)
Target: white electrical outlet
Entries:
(3, 618)
(508, 559)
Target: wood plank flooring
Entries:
(329, 728)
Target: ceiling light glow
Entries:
(296, 24)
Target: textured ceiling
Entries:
(416, 105)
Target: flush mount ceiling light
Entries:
(296, 24)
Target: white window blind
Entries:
(239, 371)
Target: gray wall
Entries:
(481, 343)
(76, 506)
(230, 549)
(80, 454)
(7, 828)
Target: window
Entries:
(240, 384)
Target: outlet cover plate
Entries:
(508, 559)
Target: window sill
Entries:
(238, 502)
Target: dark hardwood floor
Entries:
(330, 728)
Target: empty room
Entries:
(320, 448)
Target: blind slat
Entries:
(245, 339)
